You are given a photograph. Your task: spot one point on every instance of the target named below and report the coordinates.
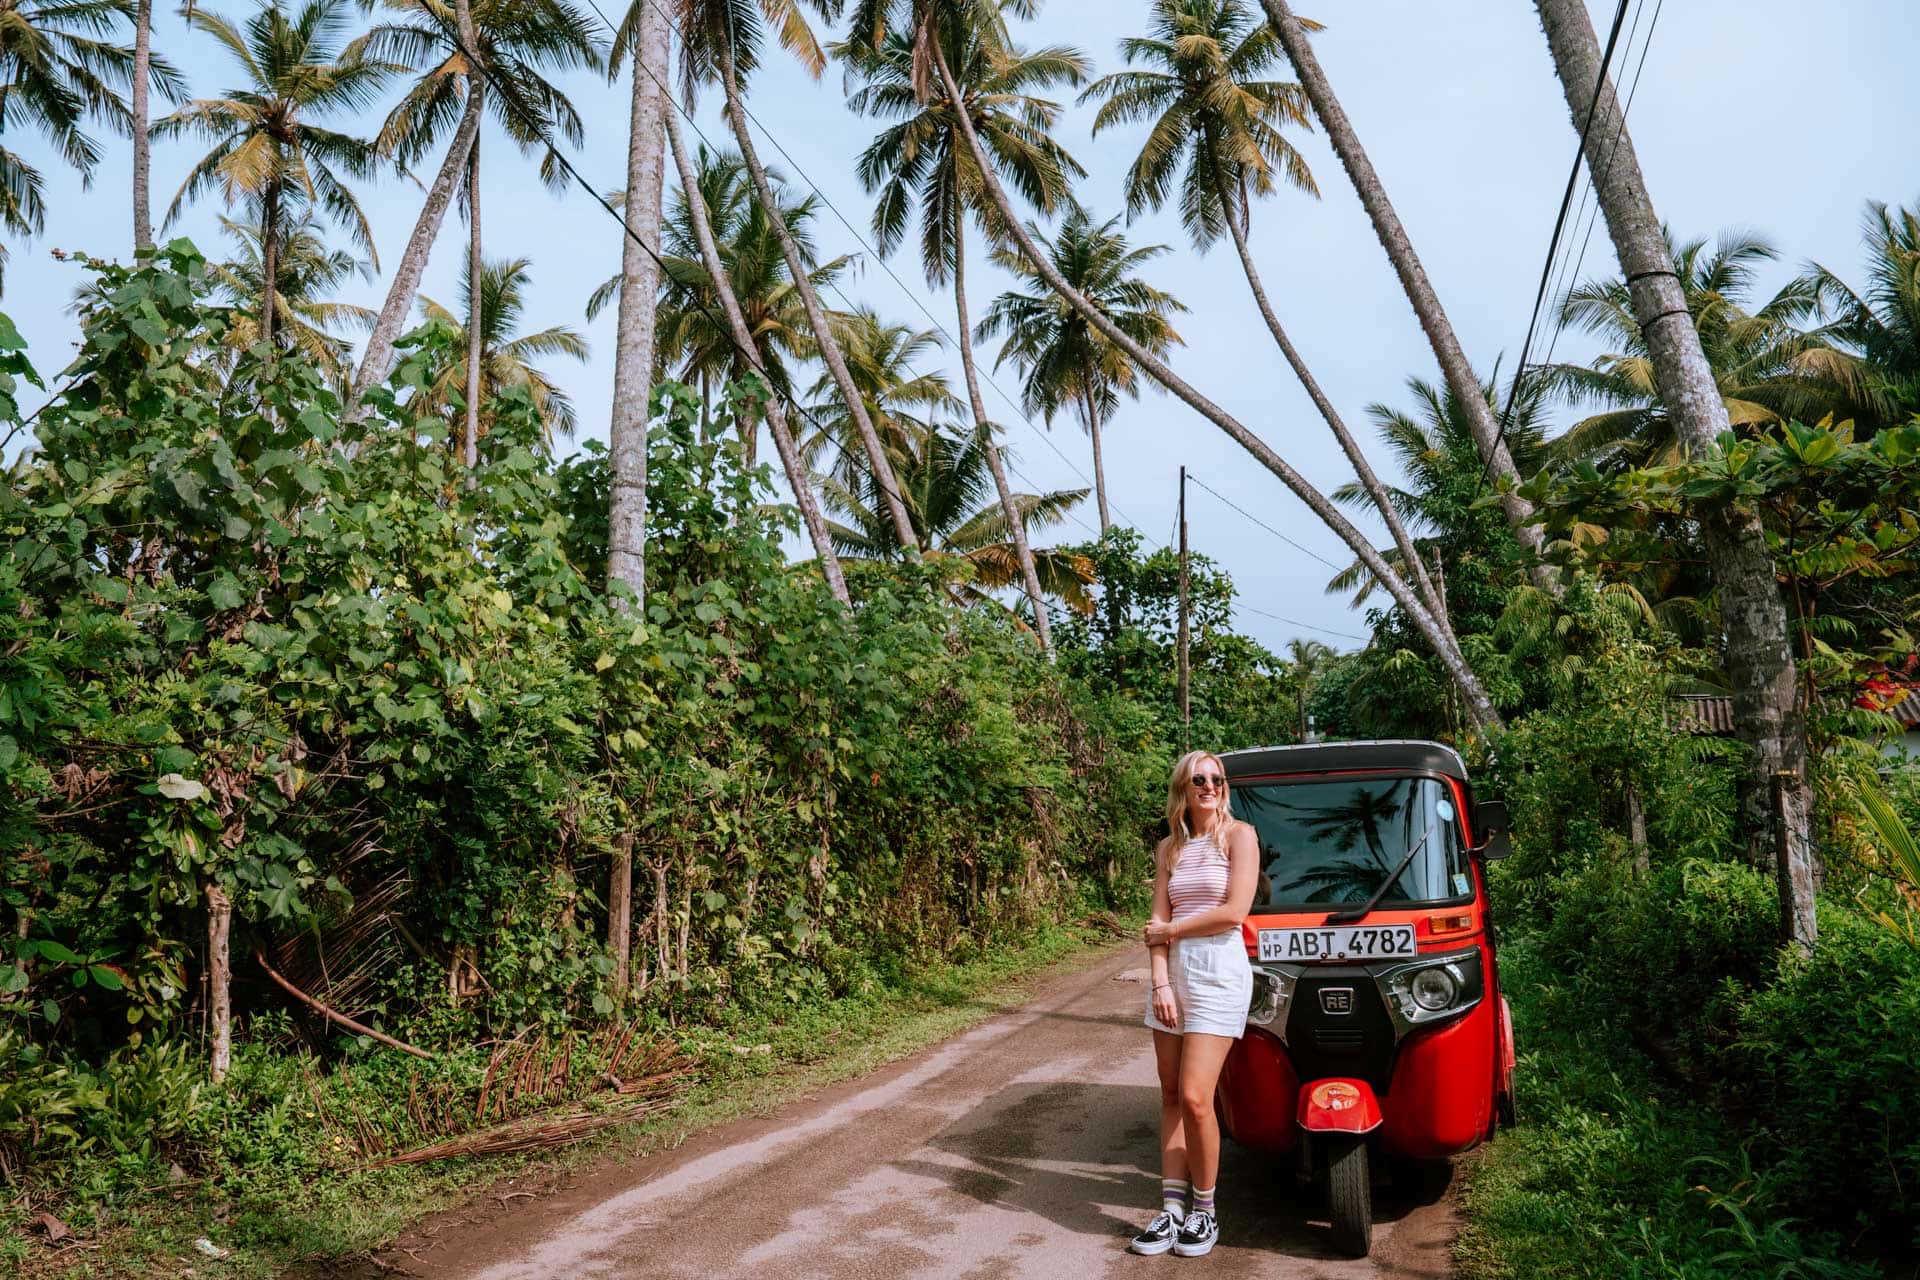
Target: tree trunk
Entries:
(470, 434)
(1480, 705)
(620, 911)
(1767, 714)
(219, 980)
(1637, 834)
(269, 259)
(1016, 527)
(377, 361)
(1348, 445)
(1099, 463)
(1461, 379)
(639, 300)
(783, 444)
(142, 74)
(830, 353)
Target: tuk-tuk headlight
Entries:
(1434, 989)
(1272, 996)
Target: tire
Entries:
(1350, 1194)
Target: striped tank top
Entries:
(1199, 879)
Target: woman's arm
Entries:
(1161, 997)
(1243, 875)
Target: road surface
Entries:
(1023, 1148)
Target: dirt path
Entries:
(1022, 1148)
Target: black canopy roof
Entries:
(1336, 757)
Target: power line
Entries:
(1294, 622)
(752, 361)
(1262, 523)
(1553, 244)
(913, 297)
(1633, 90)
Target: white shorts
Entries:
(1212, 986)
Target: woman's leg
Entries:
(1200, 1061)
(1173, 1141)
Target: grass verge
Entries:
(268, 1218)
(1613, 1174)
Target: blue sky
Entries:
(1754, 114)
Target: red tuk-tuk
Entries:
(1377, 1026)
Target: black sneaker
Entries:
(1197, 1235)
(1158, 1235)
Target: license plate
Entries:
(1339, 942)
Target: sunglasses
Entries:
(1208, 780)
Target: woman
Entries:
(1203, 882)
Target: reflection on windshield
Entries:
(1337, 842)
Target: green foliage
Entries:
(1241, 694)
(395, 718)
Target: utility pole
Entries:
(1186, 706)
(1767, 714)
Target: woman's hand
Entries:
(1158, 933)
(1165, 1009)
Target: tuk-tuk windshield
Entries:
(1336, 842)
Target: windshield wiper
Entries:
(1361, 913)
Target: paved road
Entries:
(1022, 1148)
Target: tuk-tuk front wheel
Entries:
(1350, 1193)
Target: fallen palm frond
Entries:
(660, 1072)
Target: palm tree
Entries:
(1881, 327)
(1767, 368)
(643, 33)
(307, 318)
(745, 341)
(1306, 660)
(693, 342)
(519, 44)
(1435, 449)
(922, 160)
(506, 356)
(873, 21)
(1215, 138)
(1069, 363)
(269, 151)
(721, 41)
(902, 404)
(945, 479)
(1447, 351)
(56, 70)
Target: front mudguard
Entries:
(1338, 1105)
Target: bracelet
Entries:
(1166, 986)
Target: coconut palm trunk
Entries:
(477, 95)
(830, 353)
(1767, 712)
(1234, 206)
(1092, 413)
(269, 259)
(783, 443)
(470, 433)
(142, 72)
(1016, 527)
(1454, 366)
(1471, 690)
(639, 300)
(377, 361)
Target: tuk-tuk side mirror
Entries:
(1490, 821)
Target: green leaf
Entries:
(56, 952)
(225, 592)
(106, 977)
(9, 752)
(154, 335)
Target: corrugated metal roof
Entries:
(1713, 713)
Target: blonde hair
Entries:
(1177, 828)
